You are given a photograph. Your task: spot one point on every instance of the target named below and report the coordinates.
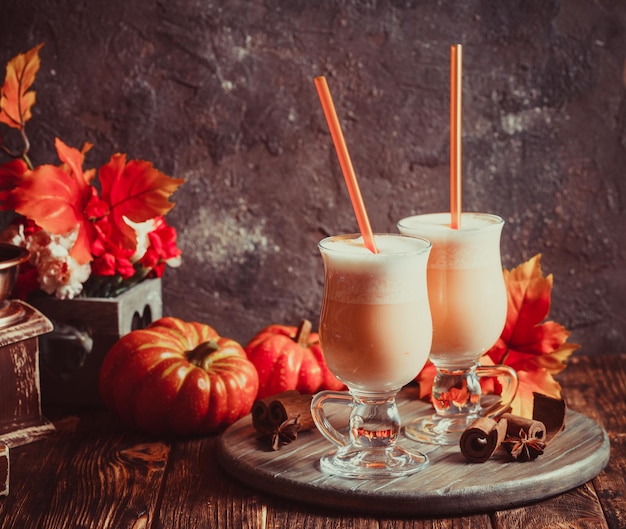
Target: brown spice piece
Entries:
(285, 433)
(524, 439)
(551, 412)
(279, 418)
(534, 429)
(290, 406)
(528, 438)
(482, 438)
(524, 447)
(261, 411)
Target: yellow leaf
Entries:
(16, 101)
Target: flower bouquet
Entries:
(90, 232)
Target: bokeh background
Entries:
(221, 93)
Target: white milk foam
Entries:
(471, 246)
(359, 276)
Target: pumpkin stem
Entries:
(304, 329)
(198, 355)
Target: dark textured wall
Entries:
(222, 94)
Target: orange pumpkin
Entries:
(289, 357)
(177, 377)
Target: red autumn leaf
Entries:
(16, 101)
(55, 198)
(535, 348)
(528, 301)
(526, 341)
(137, 191)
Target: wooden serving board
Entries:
(448, 486)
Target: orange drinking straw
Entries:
(456, 62)
(345, 163)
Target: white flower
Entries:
(174, 262)
(58, 272)
(62, 277)
(142, 229)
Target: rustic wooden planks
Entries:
(94, 473)
(202, 494)
(597, 385)
(578, 509)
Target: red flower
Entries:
(162, 248)
(96, 209)
(110, 260)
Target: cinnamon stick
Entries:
(551, 412)
(524, 439)
(261, 411)
(291, 407)
(279, 418)
(482, 438)
(532, 428)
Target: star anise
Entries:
(524, 448)
(283, 434)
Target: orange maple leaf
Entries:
(535, 348)
(55, 198)
(15, 99)
(539, 381)
(137, 191)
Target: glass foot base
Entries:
(371, 464)
(437, 430)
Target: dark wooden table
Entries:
(93, 473)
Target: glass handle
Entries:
(509, 389)
(320, 419)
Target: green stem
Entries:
(28, 162)
(199, 355)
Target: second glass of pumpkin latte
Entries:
(468, 303)
(375, 331)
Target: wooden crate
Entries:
(85, 329)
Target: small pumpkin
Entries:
(177, 377)
(288, 357)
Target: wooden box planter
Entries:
(84, 330)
